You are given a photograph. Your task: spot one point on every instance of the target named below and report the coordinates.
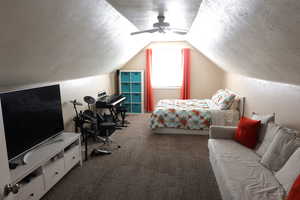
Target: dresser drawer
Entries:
(53, 172)
(33, 190)
(72, 157)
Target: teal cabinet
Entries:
(136, 97)
(136, 87)
(136, 77)
(136, 108)
(125, 76)
(128, 97)
(125, 87)
(131, 84)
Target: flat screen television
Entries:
(31, 117)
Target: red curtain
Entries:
(149, 91)
(186, 86)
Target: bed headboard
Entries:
(241, 107)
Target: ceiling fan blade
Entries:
(145, 31)
(178, 31)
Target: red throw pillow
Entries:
(294, 193)
(247, 132)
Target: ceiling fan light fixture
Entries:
(162, 27)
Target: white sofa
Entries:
(239, 174)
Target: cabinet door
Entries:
(136, 77)
(125, 77)
(136, 97)
(136, 108)
(125, 87)
(136, 87)
(4, 169)
(128, 97)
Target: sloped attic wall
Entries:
(255, 38)
(53, 40)
(268, 97)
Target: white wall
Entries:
(268, 97)
(74, 89)
(206, 77)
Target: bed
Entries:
(194, 116)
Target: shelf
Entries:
(42, 154)
(46, 165)
(132, 87)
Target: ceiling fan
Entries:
(162, 27)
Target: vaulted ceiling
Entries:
(53, 40)
(255, 38)
(60, 39)
(143, 13)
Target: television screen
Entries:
(30, 117)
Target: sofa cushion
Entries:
(271, 131)
(221, 132)
(264, 120)
(243, 177)
(289, 172)
(247, 131)
(229, 149)
(280, 149)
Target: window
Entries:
(166, 67)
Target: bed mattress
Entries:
(192, 114)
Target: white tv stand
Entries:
(46, 165)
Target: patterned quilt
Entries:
(185, 114)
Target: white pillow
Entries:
(216, 96)
(235, 104)
(264, 120)
(271, 131)
(223, 99)
(280, 149)
(289, 172)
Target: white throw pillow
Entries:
(216, 96)
(223, 99)
(264, 120)
(280, 149)
(289, 172)
(271, 131)
(235, 104)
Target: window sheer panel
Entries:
(167, 67)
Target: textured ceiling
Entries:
(143, 13)
(62, 39)
(254, 38)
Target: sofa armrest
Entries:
(221, 132)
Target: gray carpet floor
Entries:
(147, 167)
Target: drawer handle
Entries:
(73, 157)
(32, 194)
(56, 173)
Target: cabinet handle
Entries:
(73, 157)
(56, 173)
(32, 194)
